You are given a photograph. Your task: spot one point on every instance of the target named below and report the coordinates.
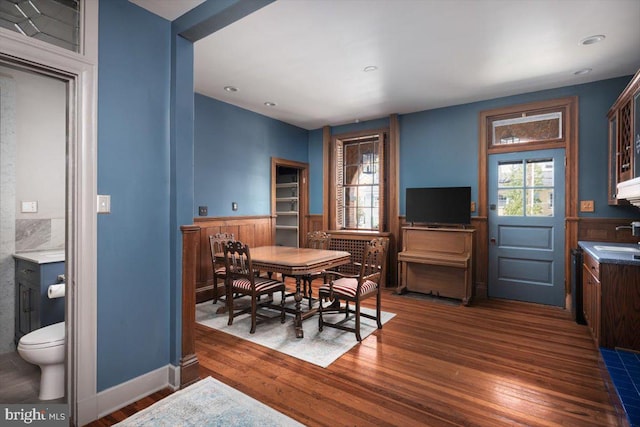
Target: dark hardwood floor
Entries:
(494, 363)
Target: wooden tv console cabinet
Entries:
(437, 261)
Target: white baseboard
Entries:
(121, 395)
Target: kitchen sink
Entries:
(616, 249)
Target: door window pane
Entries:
(540, 202)
(540, 173)
(511, 202)
(510, 174)
(525, 188)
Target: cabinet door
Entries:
(586, 294)
(591, 297)
(596, 297)
(636, 133)
(625, 142)
(27, 318)
(613, 156)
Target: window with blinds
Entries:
(359, 178)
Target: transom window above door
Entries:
(526, 130)
(525, 188)
(53, 21)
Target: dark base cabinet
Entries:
(34, 309)
(611, 303)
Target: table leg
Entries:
(298, 320)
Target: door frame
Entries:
(569, 143)
(79, 70)
(303, 196)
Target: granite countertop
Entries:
(42, 257)
(613, 253)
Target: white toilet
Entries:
(45, 347)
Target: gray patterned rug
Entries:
(208, 402)
(319, 348)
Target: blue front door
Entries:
(526, 226)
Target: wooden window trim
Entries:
(384, 177)
(526, 110)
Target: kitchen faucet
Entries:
(634, 227)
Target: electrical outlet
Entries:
(203, 210)
(234, 206)
(587, 206)
(473, 206)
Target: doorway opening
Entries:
(289, 201)
(33, 196)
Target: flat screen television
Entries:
(439, 205)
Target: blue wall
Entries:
(440, 147)
(233, 150)
(133, 167)
(432, 141)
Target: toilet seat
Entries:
(49, 336)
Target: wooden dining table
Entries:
(297, 262)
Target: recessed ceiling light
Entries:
(369, 68)
(231, 88)
(270, 104)
(592, 39)
(583, 71)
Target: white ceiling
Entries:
(308, 56)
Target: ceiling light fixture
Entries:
(592, 39)
(583, 71)
(369, 68)
(270, 104)
(231, 88)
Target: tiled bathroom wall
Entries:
(7, 212)
(39, 234)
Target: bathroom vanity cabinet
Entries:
(34, 309)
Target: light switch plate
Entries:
(29, 207)
(587, 206)
(104, 203)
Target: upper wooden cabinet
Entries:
(624, 138)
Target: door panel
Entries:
(526, 226)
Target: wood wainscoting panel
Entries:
(189, 367)
(604, 230)
(315, 223)
(252, 230)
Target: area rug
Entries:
(208, 402)
(319, 348)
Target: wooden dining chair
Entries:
(356, 288)
(241, 279)
(216, 243)
(315, 240)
